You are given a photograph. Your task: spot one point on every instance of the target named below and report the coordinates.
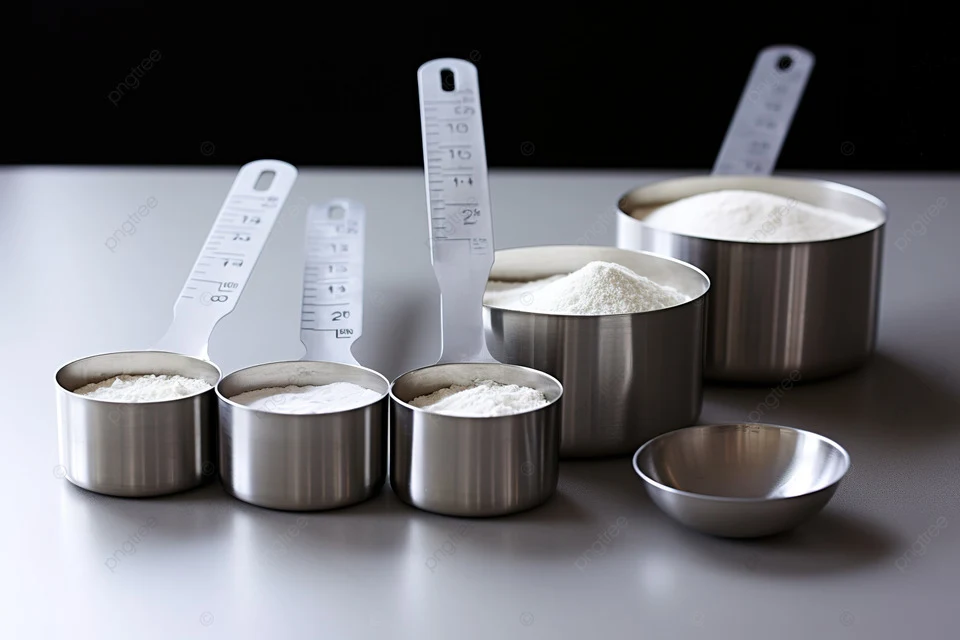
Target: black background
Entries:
(572, 86)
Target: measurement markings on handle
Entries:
(237, 237)
(455, 161)
(458, 198)
(229, 253)
(762, 120)
(332, 310)
(231, 250)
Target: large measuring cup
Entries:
(466, 466)
(155, 448)
(315, 461)
(774, 306)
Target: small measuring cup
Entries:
(312, 462)
(466, 466)
(140, 449)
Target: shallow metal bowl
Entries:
(741, 480)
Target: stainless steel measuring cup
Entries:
(155, 448)
(626, 377)
(466, 466)
(312, 462)
(778, 310)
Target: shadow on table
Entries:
(592, 496)
(887, 399)
(890, 400)
(830, 543)
(602, 483)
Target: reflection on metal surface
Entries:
(626, 377)
(775, 307)
(473, 466)
(741, 480)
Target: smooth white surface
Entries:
(596, 289)
(598, 561)
(751, 216)
(337, 396)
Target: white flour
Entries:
(751, 216)
(143, 388)
(484, 398)
(599, 288)
(338, 396)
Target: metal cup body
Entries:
(806, 309)
(741, 480)
(139, 449)
(302, 462)
(626, 377)
(473, 467)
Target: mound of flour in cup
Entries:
(143, 388)
(752, 216)
(599, 288)
(482, 399)
(337, 396)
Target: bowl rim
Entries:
(422, 410)
(705, 496)
(651, 254)
(836, 186)
(233, 406)
(192, 396)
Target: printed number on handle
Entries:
(456, 160)
(458, 198)
(229, 254)
(766, 109)
(332, 312)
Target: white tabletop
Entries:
(881, 561)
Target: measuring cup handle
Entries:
(229, 255)
(762, 120)
(461, 312)
(331, 317)
(458, 200)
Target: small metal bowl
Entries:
(782, 309)
(626, 377)
(302, 462)
(476, 467)
(136, 449)
(741, 480)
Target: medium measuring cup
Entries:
(317, 461)
(466, 466)
(140, 449)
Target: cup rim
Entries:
(422, 410)
(659, 256)
(836, 186)
(72, 393)
(235, 405)
(705, 496)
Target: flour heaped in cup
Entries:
(597, 289)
